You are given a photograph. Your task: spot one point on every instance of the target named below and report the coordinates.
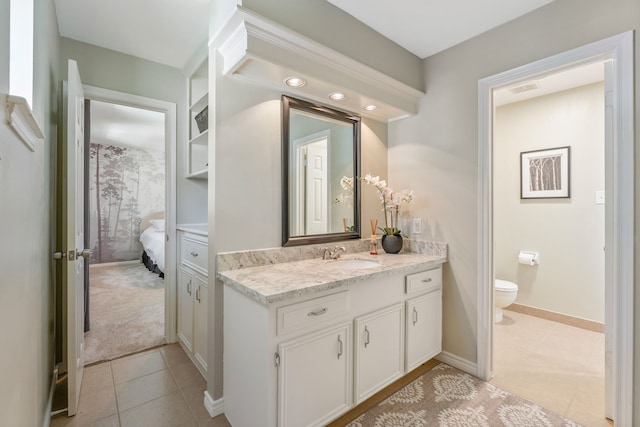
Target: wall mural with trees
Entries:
(125, 184)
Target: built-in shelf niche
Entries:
(198, 141)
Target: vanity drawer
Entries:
(194, 253)
(311, 312)
(425, 281)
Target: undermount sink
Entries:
(354, 264)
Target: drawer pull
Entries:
(427, 280)
(367, 339)
(198, 294)
(189, 287)
(318, 312)
(194, 254)
(415, 316)
(339, 347)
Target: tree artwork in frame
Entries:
(544, 173)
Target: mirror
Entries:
(320, 146)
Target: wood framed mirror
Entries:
(320, 146)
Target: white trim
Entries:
(265, 52)
(458, 362)
(169, 109)
(21, 119)
(618, 48)
(213, 407)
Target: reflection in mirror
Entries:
(320, 146)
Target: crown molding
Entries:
(266, 53)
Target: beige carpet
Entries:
(447, 397)
(127, 311)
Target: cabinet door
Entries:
(314, 378)
(379, 350)
(424, 328)
(186, 292)
(200, 318)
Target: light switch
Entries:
(416, 226)
(600, 197)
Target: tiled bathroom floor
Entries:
(557, 366)
(159, 388)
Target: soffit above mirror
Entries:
(267, 53)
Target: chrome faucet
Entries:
(333, 253)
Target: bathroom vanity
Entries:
(305, 341)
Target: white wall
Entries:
(27, 206)
(112, 70)
(568, 233)
(436, 152)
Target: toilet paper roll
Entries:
(527, 258)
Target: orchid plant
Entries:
(390, 200)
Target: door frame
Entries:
(618, 49)
(169, 111)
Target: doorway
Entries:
(619, 218)
(146, 204)
(548, 164)
(125, 205)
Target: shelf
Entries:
(201, 139)
(203, 174)
(200, 103)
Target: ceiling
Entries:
(426, 27)
(113, 124)
(166, 31)
(552, 83)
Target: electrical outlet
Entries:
(599, 197)
(416, 226)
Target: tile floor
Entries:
(557, 366)
(159, 388)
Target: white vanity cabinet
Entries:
(192, 297)
(306, 359)
(379, 350)
(314, 377)
(423, 317)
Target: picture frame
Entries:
(545, 174)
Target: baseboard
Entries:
(46, 422)
(577, 322)
(115, 263)
(213, 407)
(458, 362)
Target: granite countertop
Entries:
(200, 229)
(272, 283)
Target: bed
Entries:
(152, 239)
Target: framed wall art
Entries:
(545, 173)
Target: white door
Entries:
(317, 212)
(314, 378)
(379, 350)
(73, 200)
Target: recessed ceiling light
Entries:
(337, 96)
(294, 82)
(370, 107)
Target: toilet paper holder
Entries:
(529, 258)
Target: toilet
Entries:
(505, 294)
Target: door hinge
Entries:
(276, 359)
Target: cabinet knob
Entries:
(194, 254)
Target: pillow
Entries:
(157, 224)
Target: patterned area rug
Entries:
(127, 311)
(447, 397)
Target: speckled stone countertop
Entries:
(272, 283)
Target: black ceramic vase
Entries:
(391, 244)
